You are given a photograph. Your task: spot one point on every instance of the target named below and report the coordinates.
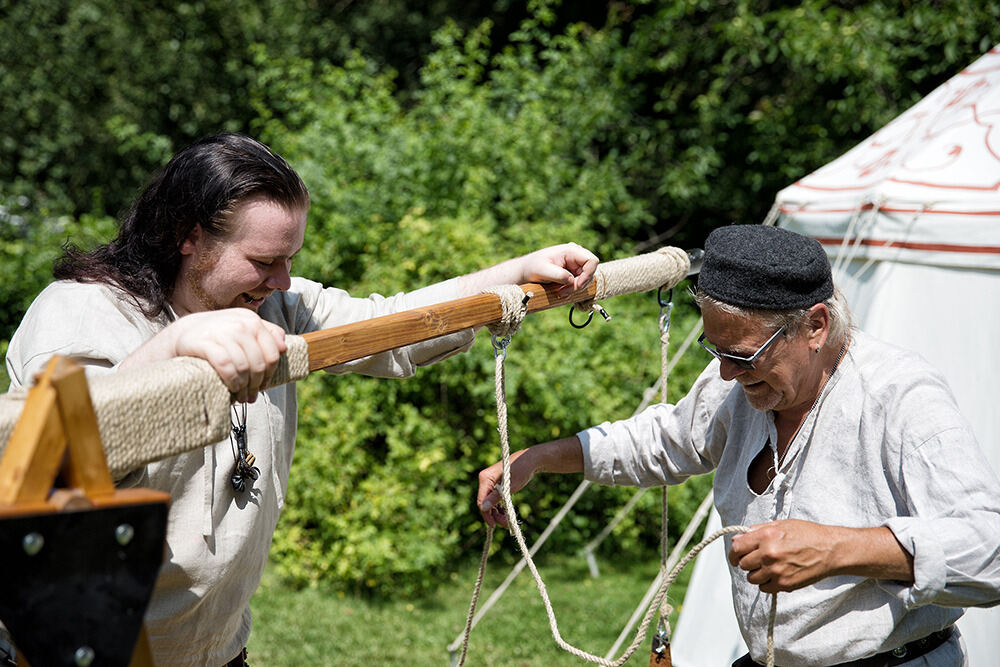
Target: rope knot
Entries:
(514, 308)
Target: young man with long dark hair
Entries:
(202, 267)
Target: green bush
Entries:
(99, 93)
(492, 159)
(30, 241)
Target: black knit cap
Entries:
(759, 266)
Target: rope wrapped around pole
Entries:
(642, 273)
(162, 409)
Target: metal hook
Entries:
(670, 296)
(665, 308)
(500, 345)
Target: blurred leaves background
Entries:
(436, 138)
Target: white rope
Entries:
(663, 625)
(470, 619)
(685, 539)
(517, 569)
(650, 392)
(511, 323)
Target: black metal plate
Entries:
(82, 588)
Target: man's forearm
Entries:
(874, 553)
(560, 456)
(788, 554)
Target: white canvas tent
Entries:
(911, 221)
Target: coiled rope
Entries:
(514, 304)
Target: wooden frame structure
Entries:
(81, 559)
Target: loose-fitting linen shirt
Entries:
(217, 539)
(885, 445)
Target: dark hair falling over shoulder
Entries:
(201, 185)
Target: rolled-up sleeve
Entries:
(953, 532)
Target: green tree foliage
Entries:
(747, 97)
(30, 241)
(98, 93)
(491, 159)
(437, 138)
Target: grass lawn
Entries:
(318, 627)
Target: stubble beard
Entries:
(763, 402)
(205, 264)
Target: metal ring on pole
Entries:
(590, 316)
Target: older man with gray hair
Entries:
(871, 507)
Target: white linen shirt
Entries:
(885, 445)
(217, 539)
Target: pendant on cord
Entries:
(245, 469)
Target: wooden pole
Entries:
(339, 345)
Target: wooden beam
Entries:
(87, 467)
(339, 345)
(35, 450)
